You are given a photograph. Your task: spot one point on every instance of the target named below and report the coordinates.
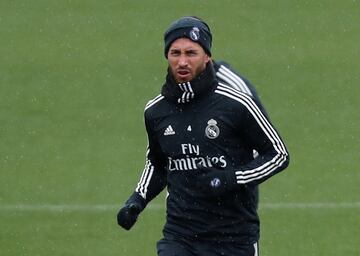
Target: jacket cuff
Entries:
(135, 198)
(231, 180)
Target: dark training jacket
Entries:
(215, 118)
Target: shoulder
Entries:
(223, 67)
(158, 107)
(236, 98)
(150, 110)
(227, 75)
(151, 103)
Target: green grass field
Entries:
(74, 79)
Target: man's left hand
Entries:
(212, 181)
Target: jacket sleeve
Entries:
(260, 135)
(153, 178)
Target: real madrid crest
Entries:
(195, 34)
(212, 131)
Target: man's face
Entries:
(186, 59)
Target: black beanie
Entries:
(190, 27)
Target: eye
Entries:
(174, 52)
(191, 52)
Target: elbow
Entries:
(286, 162)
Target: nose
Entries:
(183, 60)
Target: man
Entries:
(202, 130)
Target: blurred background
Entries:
(75, 77)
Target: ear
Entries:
(207, 58)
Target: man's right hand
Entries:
(128, 215)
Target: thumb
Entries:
(134, 208)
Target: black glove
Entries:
(128, 214)
(213, 181)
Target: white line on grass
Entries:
(310, 205)
(154, 206)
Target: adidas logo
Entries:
(169, 131)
